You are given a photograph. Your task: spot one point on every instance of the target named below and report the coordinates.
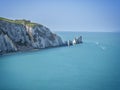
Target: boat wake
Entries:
(103, 47)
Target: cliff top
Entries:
(22, 21)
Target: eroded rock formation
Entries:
(18, 35)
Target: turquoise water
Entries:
(93, 65)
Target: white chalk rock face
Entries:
(18, 35)
(77, 40)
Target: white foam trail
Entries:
(103, 47)
(100, 46)
(97, 43)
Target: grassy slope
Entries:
(23, 21)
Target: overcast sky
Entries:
(66, 15)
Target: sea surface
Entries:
(93, 65)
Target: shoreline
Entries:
(32, 50)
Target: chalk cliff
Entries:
(19, 35)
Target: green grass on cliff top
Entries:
(23, 21)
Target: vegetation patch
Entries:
(23, 21)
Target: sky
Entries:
(66, 15)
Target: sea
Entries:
(92, 65)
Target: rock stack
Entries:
(76, 40)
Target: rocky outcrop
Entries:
(76, 40)
(19, 35)
(22, 35)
